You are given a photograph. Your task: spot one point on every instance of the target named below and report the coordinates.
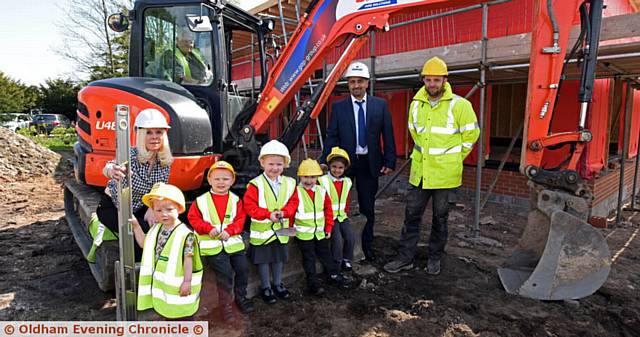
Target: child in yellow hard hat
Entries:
(313, 222)
(171, 270)
(218, 218)
(339, 188)
(271, 201)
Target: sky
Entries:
(29, 36)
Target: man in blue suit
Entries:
(357, 124)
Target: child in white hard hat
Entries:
(271, 201)
(313, 222)
(171, 270)
(218, 218)
(339, 188)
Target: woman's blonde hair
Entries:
(164, 155)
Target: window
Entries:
(173, 52)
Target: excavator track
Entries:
(80, 202)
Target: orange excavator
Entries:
(560, 256)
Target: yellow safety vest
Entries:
(309, 219)
(443, 137)
(212, 246)
(159, 282)
(263, 231)
(338, 204)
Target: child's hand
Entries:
(214, 232)
(224, 236)
(328, 235)
(275, 216)
(149, 217)
(134, 222)
(185, 288)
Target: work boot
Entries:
(339, 281)
(245, 305)
(398, 265)
(282, 292)
(314, 289)
(226, 311)
(268, 296)
(433, 267)
(346, 265)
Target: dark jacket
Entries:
(342, 132)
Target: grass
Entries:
(60, 139)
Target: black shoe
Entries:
(346, 265)
(226, 312)
(369, 256)
(267, 296)
(315, 290)
(282, 292)
(245, 305)
(433, 267)
(339, 281)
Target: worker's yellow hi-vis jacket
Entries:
(443, 136)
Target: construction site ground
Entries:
(43, 276)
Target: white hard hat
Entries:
(151, 118)
(357, 69)
(274, 147)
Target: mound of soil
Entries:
(22, 158)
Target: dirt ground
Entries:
(43, 276)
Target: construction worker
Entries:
(444, 128)
(361, 125)
(271, 202)
(171, 270)
(313, 222)
(218, 218)
(151, 161)
(339, 188)
(185, 64)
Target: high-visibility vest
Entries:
(309, 217)
(264, 231)
(99, 232)
(338, 204)
(185, 63)
(443, 136)
(213, 246)
(159, 282)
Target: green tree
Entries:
(60, 96)
(16, 96)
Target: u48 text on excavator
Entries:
(560, 256)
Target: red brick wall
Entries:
(607, 185)
(510, 183)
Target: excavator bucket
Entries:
(560, 256)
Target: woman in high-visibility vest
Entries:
(271, 202)
(218, 218)
(171, 270)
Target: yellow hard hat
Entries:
(162, 191)
(222, 165)
(309, 168)
(337, 152)
(435, 66)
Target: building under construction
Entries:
(490, 41)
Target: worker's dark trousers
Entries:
(417, 199)
(342, 241)
(367, 186)
(319, 249)
(222, 265)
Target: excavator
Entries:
(560, 256)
